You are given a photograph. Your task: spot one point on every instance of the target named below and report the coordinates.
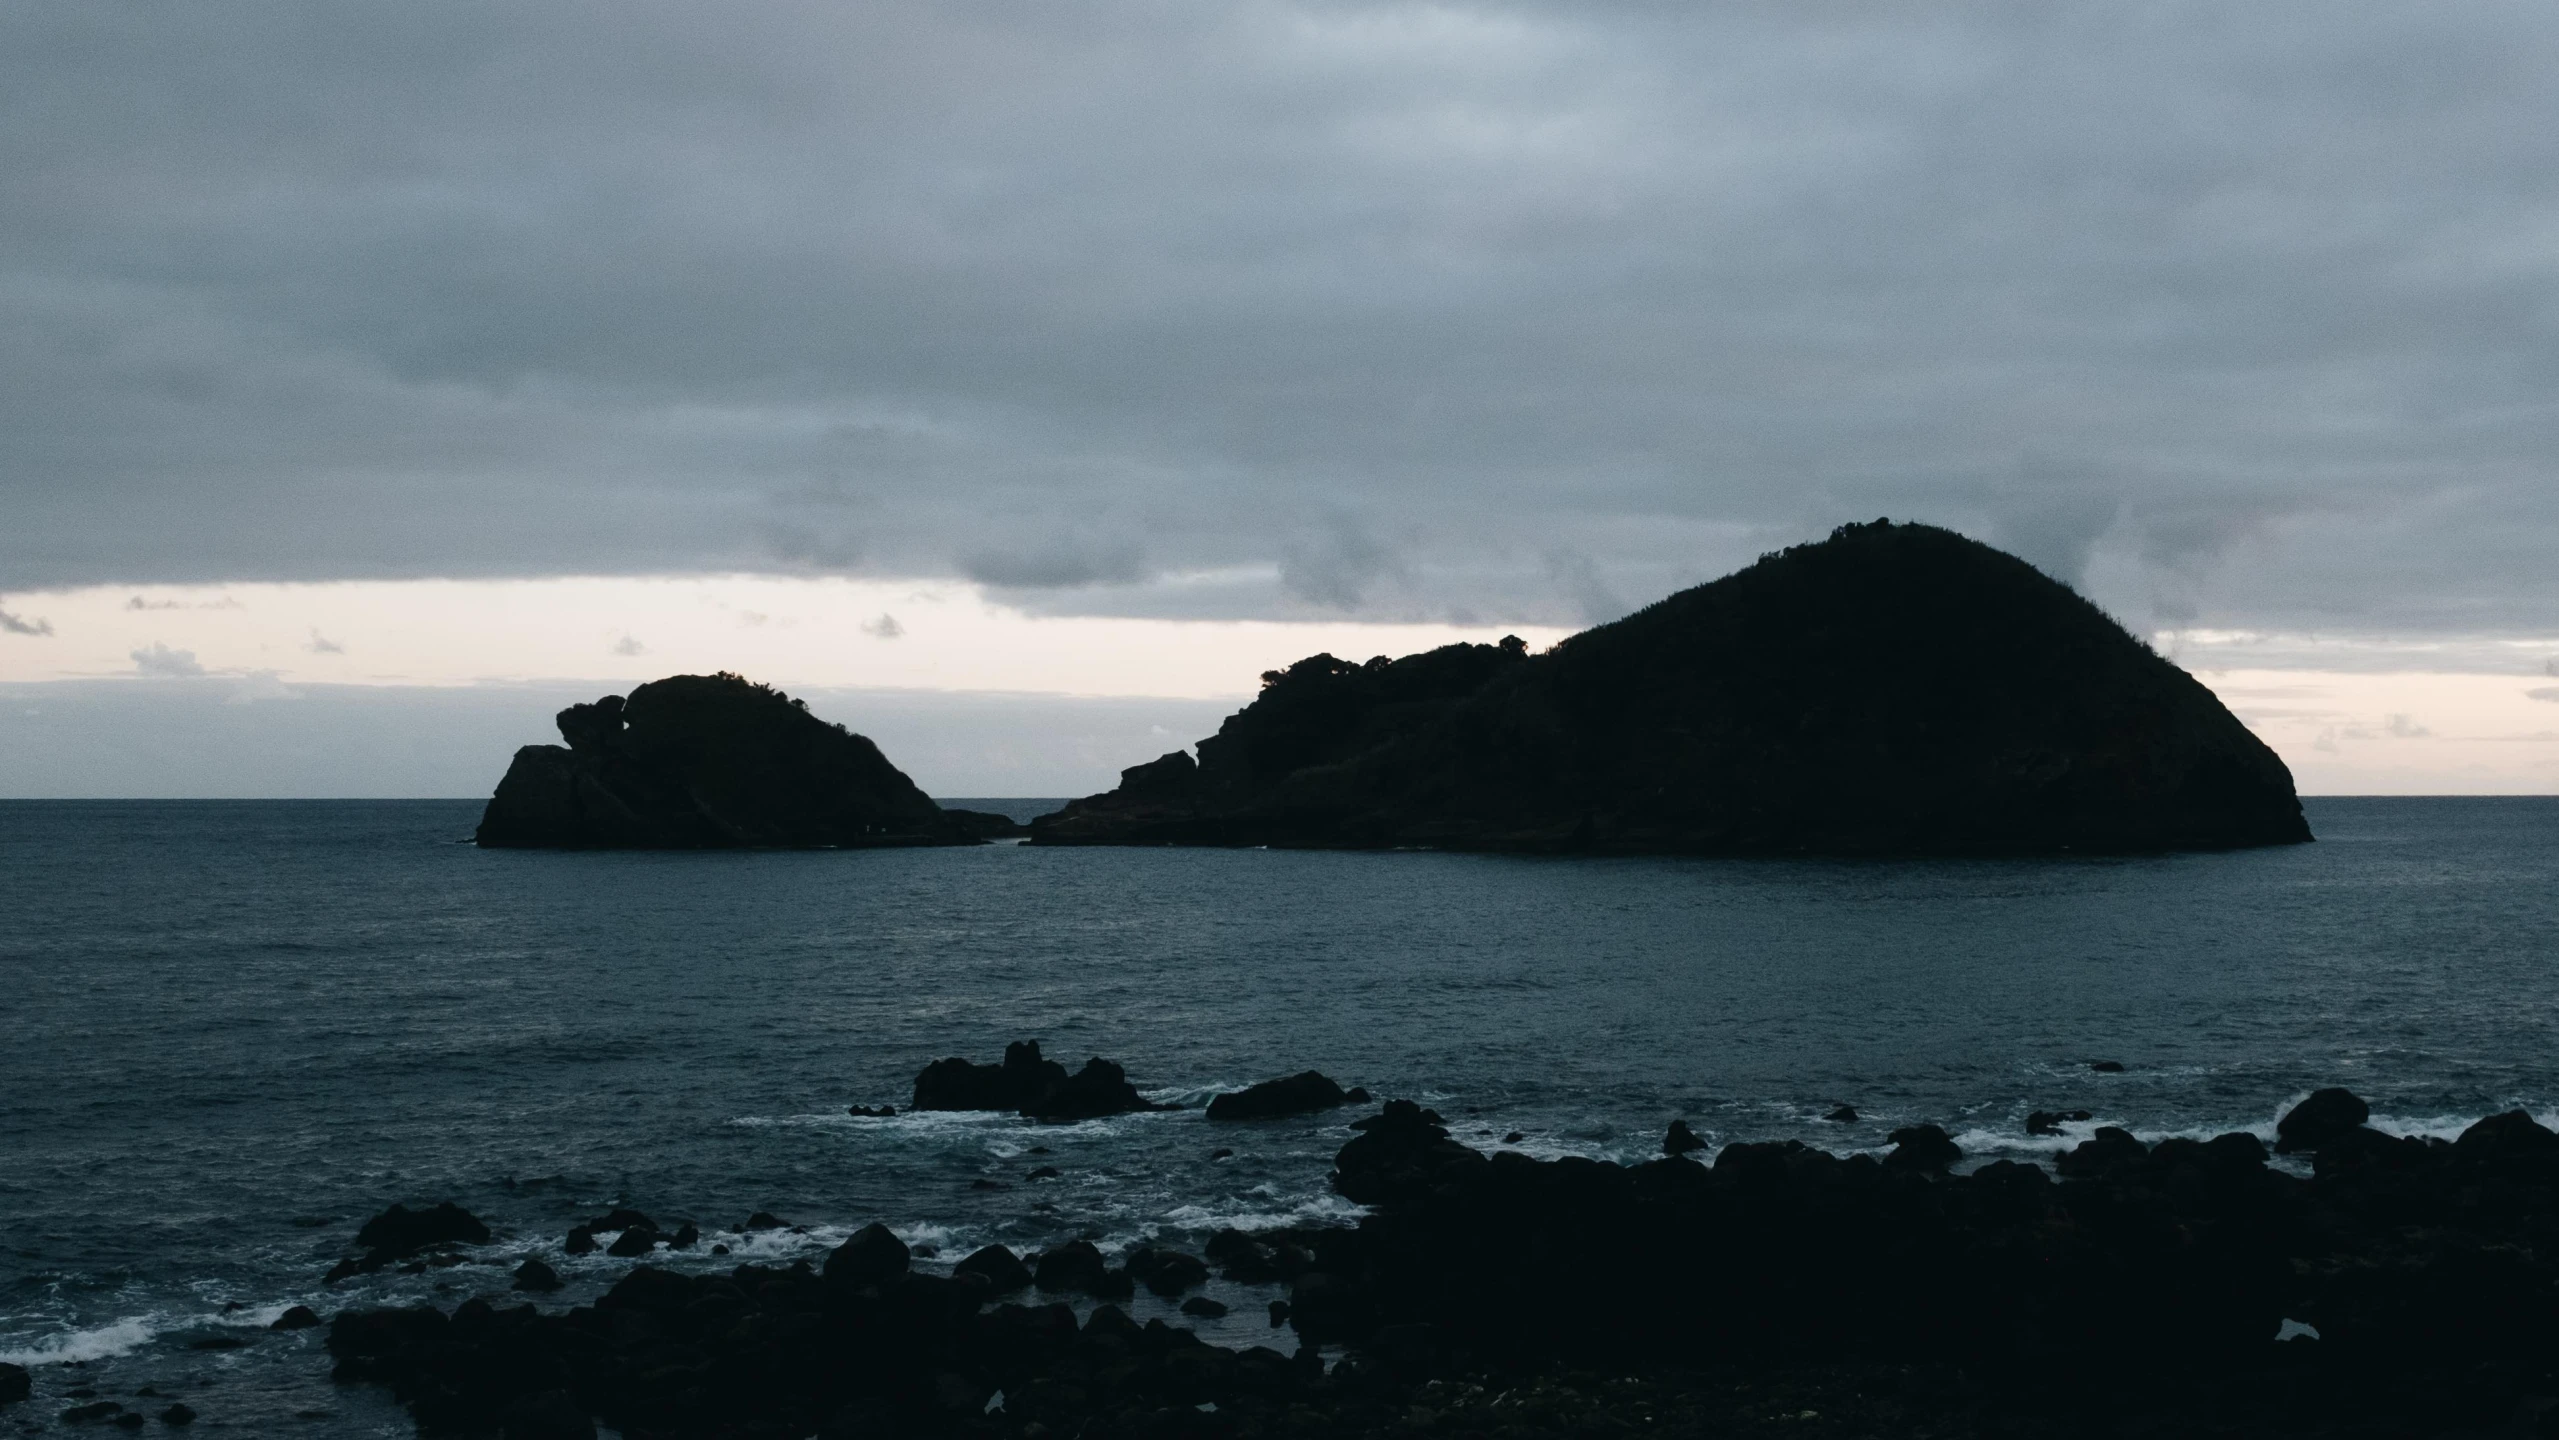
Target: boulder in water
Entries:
(1680, 1140)
(536, 1277)
(1301, 1094)
(400, 1232)
(298, 1317)
(1030, 1085)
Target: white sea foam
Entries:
(122, 1337)
(1316, 1209)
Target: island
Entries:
(714, 762)
(1895, 689)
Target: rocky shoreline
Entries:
(2404, 1287)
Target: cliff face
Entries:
(708, 761)
(1895, 689)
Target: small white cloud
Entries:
(752, 617)
(15, 625)
(323, 645)
(2406, 728)
(886, 627)
(629, 646)
(260, 685)
(159, 659)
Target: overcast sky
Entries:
(2243, 318)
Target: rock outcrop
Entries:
(1030, 1085)
(1894, 689)
(712, 762)
(401, 1233)
(1304, 1093)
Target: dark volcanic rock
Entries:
(1402, 1153)
(1511, 1297)
(1166, 1272)
(1075, 1266)
(2049, 1122)
(1893, 689)
(536, 1277)
(1922, 1147)
(14, 1384)
(1299, 1094)
(298, 1317)
(986, 824)
(2108, 1150)
(709, 761)
(2328, 1115)
(872, 1257)
(1680, 1140)
(400, 1232)
(1029, 1084)
(1003, 1270)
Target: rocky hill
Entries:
(712, 761)
(1894, 689)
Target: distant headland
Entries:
(1894, 689)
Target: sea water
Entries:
(231, 1031)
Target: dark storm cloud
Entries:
(2231, 314)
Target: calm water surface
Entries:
(228, 1032)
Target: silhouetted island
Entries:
(1894, 689)
(713, 761)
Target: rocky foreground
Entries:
(1894, 689)
(2407, 1287)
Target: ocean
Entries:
(229, 1032)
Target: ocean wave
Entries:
(120, 1337)
(1314, 1209)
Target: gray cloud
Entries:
(629, 645)
(1056, 565)
(884, 628)
(1335, 564)
(2545, 692)
(19, 625)
(2231, 316)
(1577, 575)
(158, 659)
(320, 644)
